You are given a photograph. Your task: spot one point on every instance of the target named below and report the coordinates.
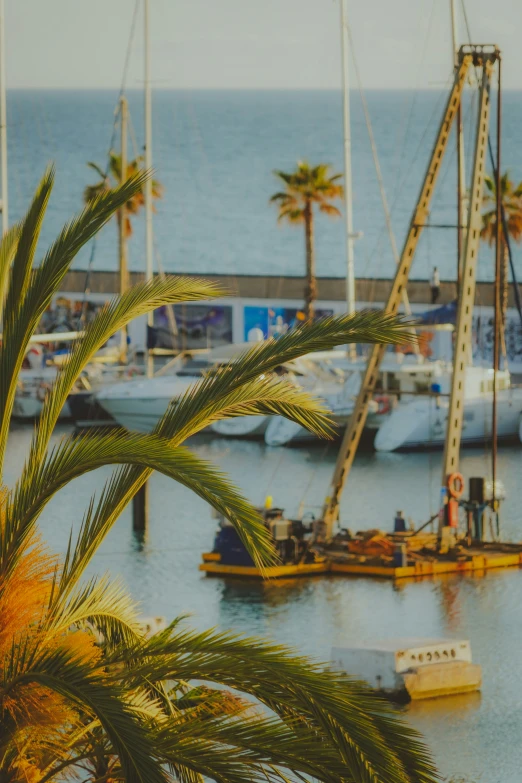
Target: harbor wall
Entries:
(265, 306)
(370, 290)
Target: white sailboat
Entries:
(422, 422)
(139, 404)
(400, 377)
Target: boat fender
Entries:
(456, 485)
(42, 390)
(384, 403)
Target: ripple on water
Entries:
(477, 735)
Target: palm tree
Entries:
(84, 693)
(512, 205)
(112, 177)
(305, 187)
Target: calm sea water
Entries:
(476, 735)
(215, 152)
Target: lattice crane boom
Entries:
(469, 55)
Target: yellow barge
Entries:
(477, 558)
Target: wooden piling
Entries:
(140, 510)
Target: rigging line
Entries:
(373, 146)
(171, 316)
(420, 146)
(505, 232)
(398, 166)
(130, 44)
(376, 163)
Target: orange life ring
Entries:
(456, 485)
(384, 403)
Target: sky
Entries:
(249, 44)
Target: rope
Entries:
(130, 44)
(516, 289)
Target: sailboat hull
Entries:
(422, 423)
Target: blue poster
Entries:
(273, 321)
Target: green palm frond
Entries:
(29, 234)
(214, 390)
(83, 691)
(179, 464)
(354, 724)
(77, 455)
(138, 300)
(103, 604)
(20, 322)
(511, 198)
(92, 691)
(8, 247)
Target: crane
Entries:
(483, 57)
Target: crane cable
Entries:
(380, 181)
(516, 289)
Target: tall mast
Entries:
(3, 125)
(461, 174)
(124, 282)
(350, 273)
(149, 240)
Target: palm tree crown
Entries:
(511, 198)
(112, 177)
(85, 694)
(305, 188)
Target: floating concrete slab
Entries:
(412, 668)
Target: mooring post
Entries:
(140, 510)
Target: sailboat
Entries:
(422, 423)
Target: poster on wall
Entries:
(192, 326)
(66, 314)
(263, 322)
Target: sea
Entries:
(214, 153)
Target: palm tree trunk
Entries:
(311, 285)
(504, 296)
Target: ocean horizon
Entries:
(214, 151)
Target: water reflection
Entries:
(476, 737)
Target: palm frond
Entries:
(354, 723)
(193, 410)
(8, 247)
(154, 453)
(103, 604)
(21, 322)
(138, 300)
(263, 358)
(64, 673)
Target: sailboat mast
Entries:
(3, 124)
(149, 240)
(350, 271)
(498, 309)
(124, 282)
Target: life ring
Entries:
(384, 403)
(42, 390)
(456, 485)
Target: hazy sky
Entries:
(248, 43)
